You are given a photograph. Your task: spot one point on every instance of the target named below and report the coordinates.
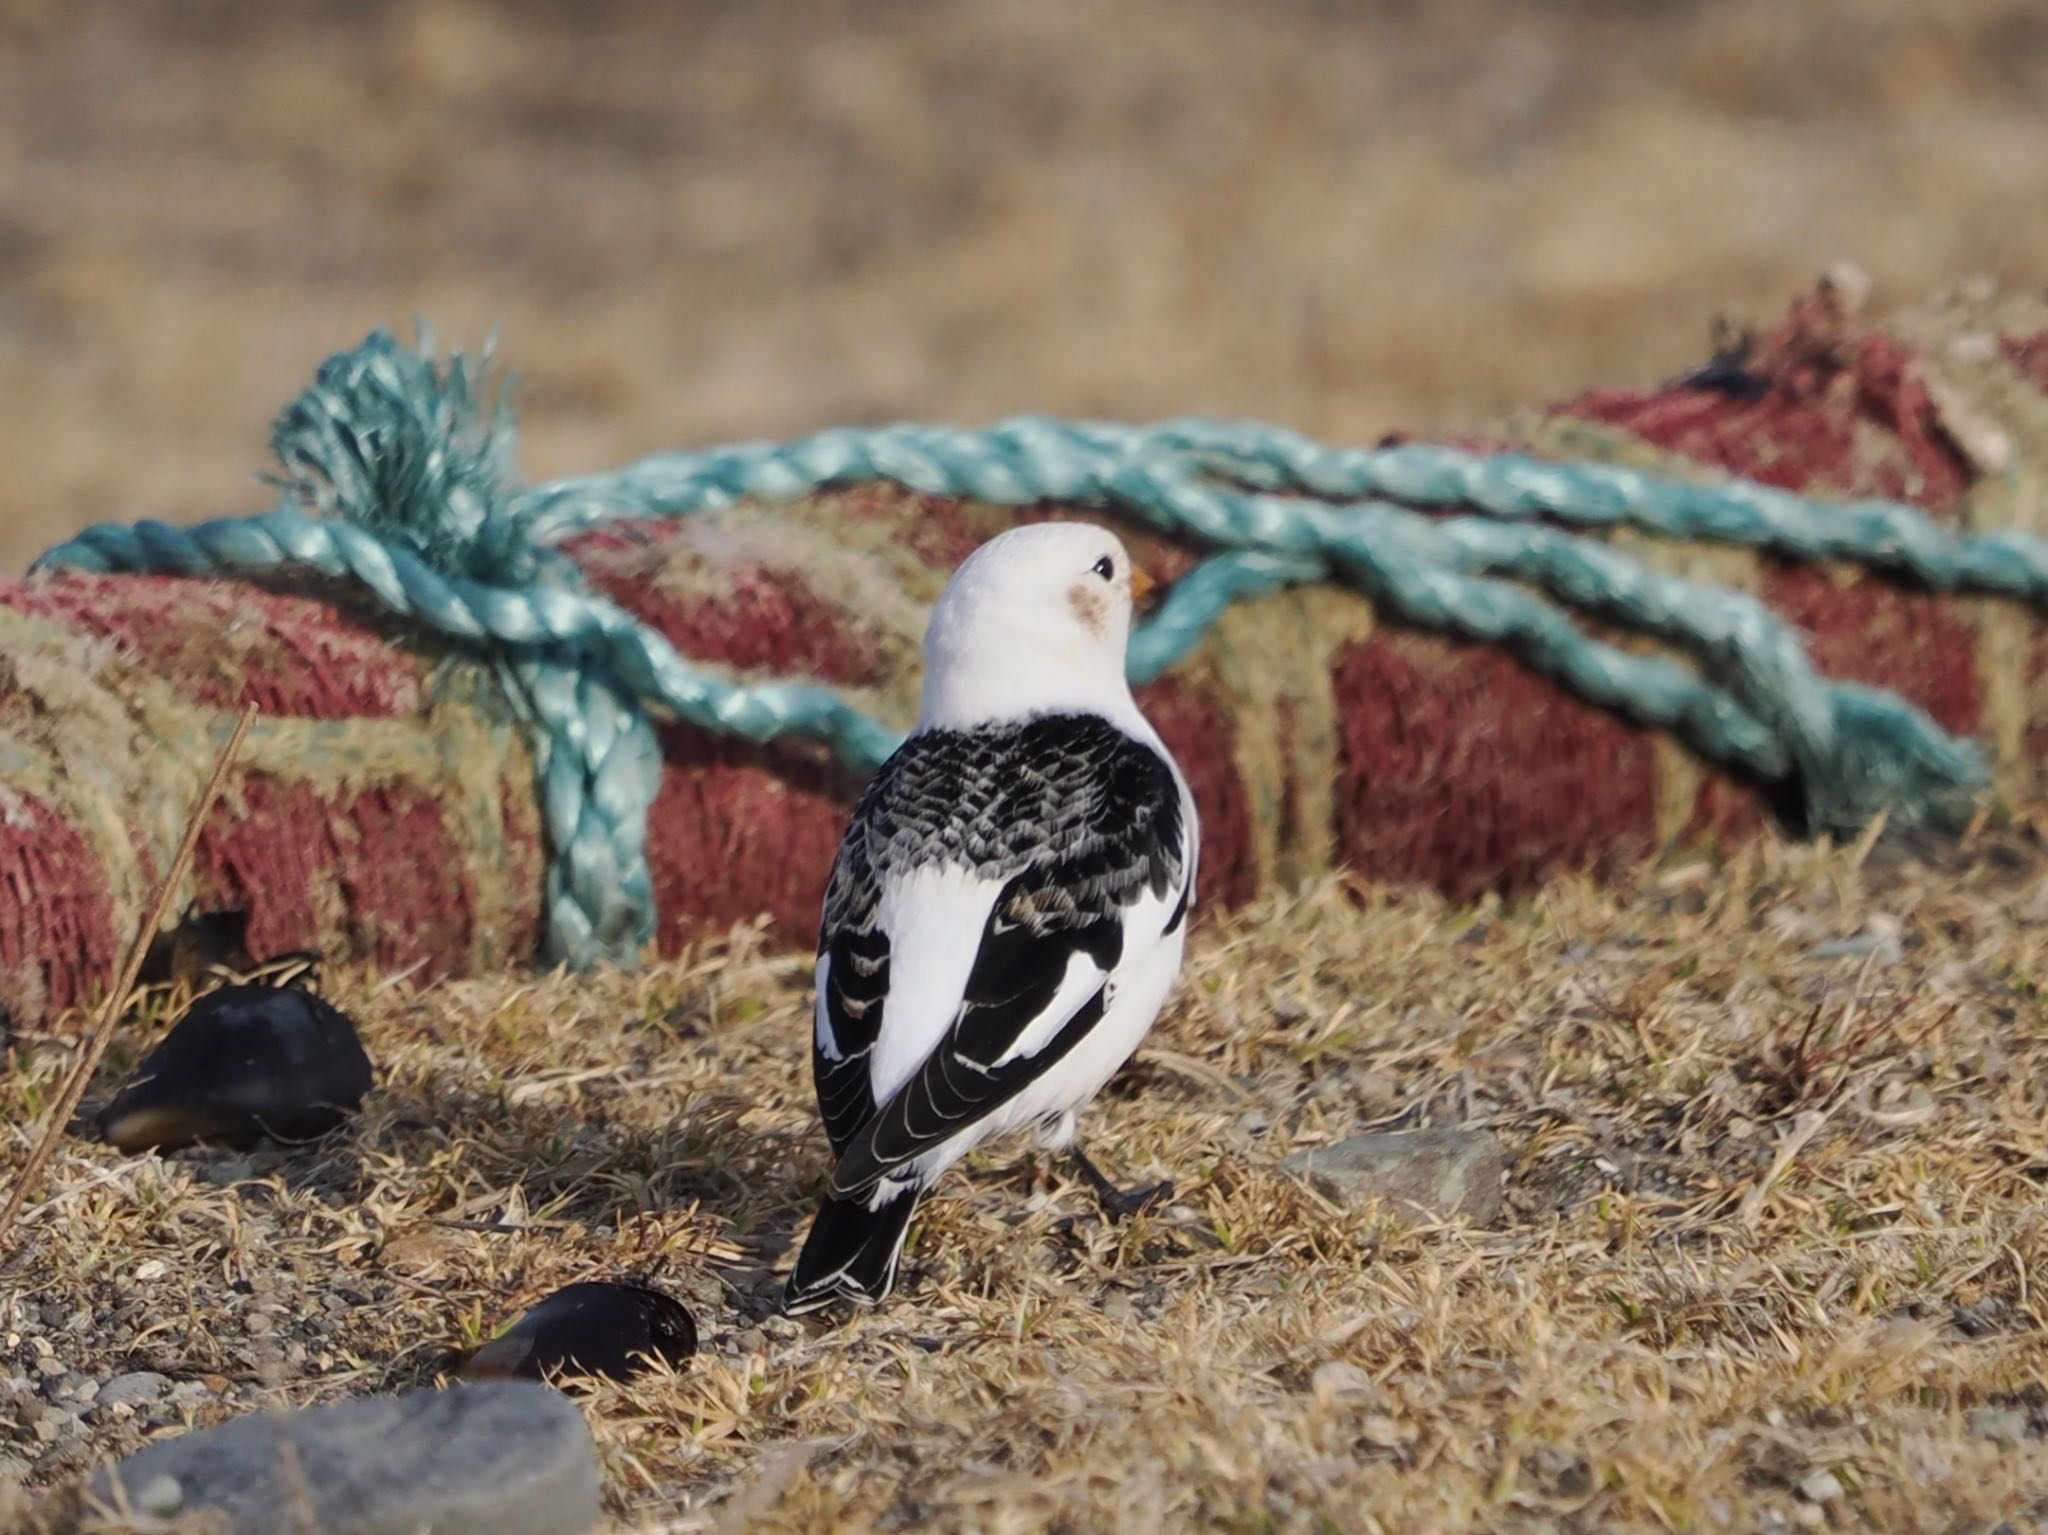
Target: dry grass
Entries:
(1773, 1217)
(699, 221)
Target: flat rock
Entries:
(1443, 1172)
(136, 1387)
(497, 1458)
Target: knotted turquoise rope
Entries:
(397, 475)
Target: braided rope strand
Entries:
(1036, 457)
(1392, 554)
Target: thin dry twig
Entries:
(117, 998)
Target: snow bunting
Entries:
(1007, 910)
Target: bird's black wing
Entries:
(1085, 821)
(853, 990)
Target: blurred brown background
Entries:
(698, 221)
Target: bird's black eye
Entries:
(1104, 567)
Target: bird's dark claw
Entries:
(1120, 1204)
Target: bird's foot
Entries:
(1120, 1204)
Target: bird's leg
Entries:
(1117, 1203)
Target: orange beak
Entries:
(1140, 584)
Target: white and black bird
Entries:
(1007, 910)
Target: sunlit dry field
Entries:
(1771, 1255)
(695, 222)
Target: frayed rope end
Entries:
(417, 451)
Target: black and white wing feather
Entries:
(853, 992)
(1071, 829)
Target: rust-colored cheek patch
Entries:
(1089, 607)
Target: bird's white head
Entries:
(1036, 620)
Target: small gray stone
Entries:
(1821, 1487)
(1335, 1380)
(1444, 1172)
(229, 1170)
(496, 1458)
(1981, 1317)
(134, 1388)
(160, 1497)
(2005, 1425)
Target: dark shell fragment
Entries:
(244, 1062)
(596, 1328)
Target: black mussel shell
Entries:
(244, 1062)
(597, 1328)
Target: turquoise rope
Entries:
(397, 476)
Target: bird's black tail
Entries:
(851, 1252)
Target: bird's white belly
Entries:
(1140, 991)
